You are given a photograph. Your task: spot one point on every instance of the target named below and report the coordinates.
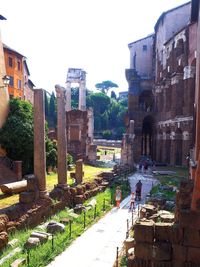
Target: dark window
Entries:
(11, 81)
(144, 47)
(19, 84)
(18, 65)
(10, 62)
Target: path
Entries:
(96, 247)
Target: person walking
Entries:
(118, 196)
(138, 190)
(132, 202)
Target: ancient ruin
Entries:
(80, 123)
(161, 91)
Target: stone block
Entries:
(26, 197)
(188, 216)
(179, 253)
(194, 255)
(32, 183)
(2, 226)
(18, 262)
(129, 243)
(144, 232)
(162, 251)
(55, 227)
(176, 234)
(79, 199)
(163, 231)
(4, 218)
(80, 190)
(191, 237)
(3, 239)
(143, 251)
(32, 242)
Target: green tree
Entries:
(105, 86)
(46, 101)
(52, 111)
(74, 97)
(113, 95)
(16, 135)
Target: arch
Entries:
(178, 146)
(147, 136)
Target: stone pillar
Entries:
(90, 123)
(68, 96)
(18, 169)
(79, 171)
(39, 141)
(82, 95)
(61, 137)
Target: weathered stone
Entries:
(92, 203)
(79, 208)
(55, 227)
(26, 197)
(18, 262)
(79, 199)
(32, 183)
(43, 237)
(66, 220)
(191, 237)
(176, 234)
(193, 255)
(188, 216)
(10, 255)
(129, 243)
(2, 226)
(4, 218)
(143, 251)
(3, 239)
(15, 187)
(167, 218)
(162, 251)
(144, 232)
(131, 251)
(80, 190)
(79, 171)
(179, 253)
(32, 242)
(163, 231)
(13, 242)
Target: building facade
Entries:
(162, 91)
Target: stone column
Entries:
(68, 96)
(61, 137)
(82, 95)
(39, 141)
(90, 123)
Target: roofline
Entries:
(25, 63)
(148, 36)
(12, 50)
(184, 28)
(166, 12)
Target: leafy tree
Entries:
(105, 86)
(46, 101)
(52, 111)
(16, 135)
(99, 102)
(74, 97)
(51, 153)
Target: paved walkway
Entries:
(96, 247)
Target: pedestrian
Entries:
(118, 196)
(138, 190)
(132, 202)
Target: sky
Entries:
(55, 35)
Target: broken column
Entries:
(68, 96)
(79, 171)
(82, 92)
(39, 142)
(61, 137)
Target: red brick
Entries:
(144, 232)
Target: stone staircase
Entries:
(7, 174)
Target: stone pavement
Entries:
(96, 247)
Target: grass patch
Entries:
(90, 173)
(44, 253)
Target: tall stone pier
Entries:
(39, 142)
(61, 136)
(82, 95)
(68, 96)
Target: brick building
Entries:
(161, 91)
